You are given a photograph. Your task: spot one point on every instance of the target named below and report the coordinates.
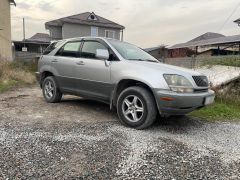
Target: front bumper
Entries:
(172, 103)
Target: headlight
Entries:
(178, 83)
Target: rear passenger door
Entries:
(93, 74)
(63, 65)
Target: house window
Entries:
(110, 34)
(92, 17)
(94, 31)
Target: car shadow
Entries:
(172, 123)
(177, 124)
(85, 102)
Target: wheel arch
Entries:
(45, 74)
(125, 83)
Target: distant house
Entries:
(216, 52)
(32, 47)
(5, 29)
(180, 52)
(218, 44)
(159, 52)
(37, 43)
(206, 36)
(84, 24)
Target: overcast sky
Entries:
(148, 22)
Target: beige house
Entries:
(84, 24)
(5, 29)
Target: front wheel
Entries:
(50, 90)
(136, 107)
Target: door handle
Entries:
(80, 63)
(55, 60)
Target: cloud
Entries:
(148, 23)
(45, 6)
(23, 5)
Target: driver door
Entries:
(93, 75)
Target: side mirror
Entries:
(102, 54)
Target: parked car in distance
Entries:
(123, 76)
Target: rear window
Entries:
(70, 49)
(52, 46)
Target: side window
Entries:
(52, 46)
(89, 49)
(70, 49)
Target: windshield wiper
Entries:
(149, 60)
(136, 59)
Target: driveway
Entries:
(79, 138)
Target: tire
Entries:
(50, 91)
(136, 107)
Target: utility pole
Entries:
(239, 49)
(24, 31)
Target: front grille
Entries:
(201, 81)
(200, 90)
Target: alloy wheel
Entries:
(49, 89)
(133, 108)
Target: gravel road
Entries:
(82, 139)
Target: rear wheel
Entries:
(136, 107)
(50, 90)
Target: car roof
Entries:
(86, 37)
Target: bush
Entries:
(225, 61)
(226, 106)
(230, 93)
(16, 73)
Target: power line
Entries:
(235, 9)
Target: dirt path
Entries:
(80, 138)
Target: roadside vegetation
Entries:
(226, 106)
(225, 61)
(13, 74)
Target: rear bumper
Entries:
(180, 103)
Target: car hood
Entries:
(164, 68)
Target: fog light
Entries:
(182, 90)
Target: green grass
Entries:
(228, 61)
(227, 104)
(219, 111)
(16, 73)
(7, 84)
(24, 66)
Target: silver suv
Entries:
(123, 76)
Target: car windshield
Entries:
(131, 52)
